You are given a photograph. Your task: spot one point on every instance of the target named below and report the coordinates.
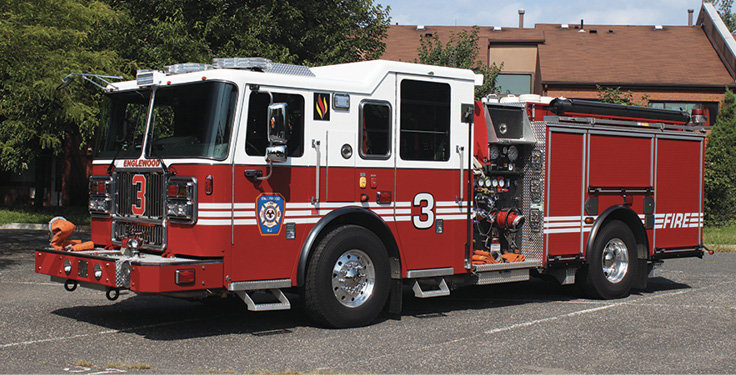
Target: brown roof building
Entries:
(679, 67)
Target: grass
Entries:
(83, 363)
(26, 214)
(721, 238)
(721, 235)
(135, 366)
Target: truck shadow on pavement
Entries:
(167, 319)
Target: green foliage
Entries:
(725, 10)
(616, 96)
(42, 41)
(720, 165)
(460, 51)
(163, 32)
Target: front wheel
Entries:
(612, 263)
(348, 278)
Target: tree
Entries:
(163, 32)
(44, 40)
(725, 10)
(616, 96)
(460, 51)
(720, 165)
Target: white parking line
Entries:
(552, 318)
(62, 338)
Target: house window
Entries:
(710, 109)
(516, 84)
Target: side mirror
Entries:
(277, 123)
(276, 154)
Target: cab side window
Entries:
(425, 121)
(375, 130)
(256, 139)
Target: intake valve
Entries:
(509, 219)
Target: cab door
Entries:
(268, 199)
(431, 145)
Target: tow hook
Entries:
(70, 285)
(112, 294)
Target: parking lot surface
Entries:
(684, 322)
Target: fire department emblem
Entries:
(270, 213)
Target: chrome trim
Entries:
(499, 277)
(431, 272)
(506, 266)
(259, 284)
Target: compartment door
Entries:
(563, 219)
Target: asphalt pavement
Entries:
(684, 322)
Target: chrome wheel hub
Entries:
(353, 278)
(615, 262)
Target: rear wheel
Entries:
(348, 278)
(612, 263)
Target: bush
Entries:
(720, 165)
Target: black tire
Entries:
(356, 298)
(611, 263)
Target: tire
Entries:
(612, 263)
(348, 278)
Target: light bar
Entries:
(149, 77)
(187, 68)
(242, 63)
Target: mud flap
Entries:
(642, 275)
(396, 296)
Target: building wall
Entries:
(515, 59)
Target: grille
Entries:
(127, 195)
(151, 222)
(152, 234)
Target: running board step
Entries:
(283, 303)
(442, 291)
(504, 276)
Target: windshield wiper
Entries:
(152, 151)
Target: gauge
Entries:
(494, 182)
(494, 152)
(513, 153)
(481, 182)
(511, 167)
(488, 182)
(501, 182)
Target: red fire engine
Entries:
(216, 180)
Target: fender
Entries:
(630, 218)
(356, 215)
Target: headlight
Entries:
(100, 202)
(181, 199)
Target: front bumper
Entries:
(145, 273)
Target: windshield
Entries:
(188, 121)
(123, 125)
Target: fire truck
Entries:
(350, 183)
